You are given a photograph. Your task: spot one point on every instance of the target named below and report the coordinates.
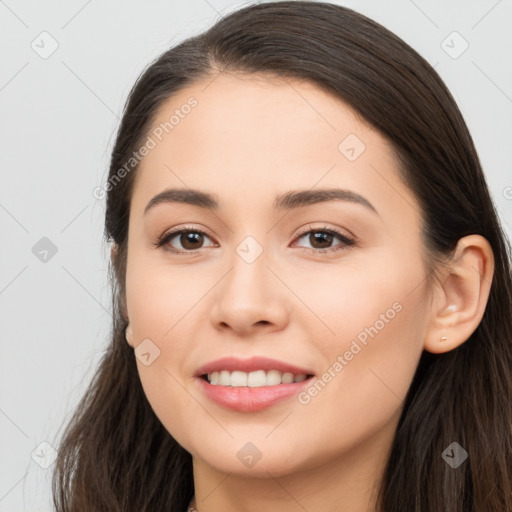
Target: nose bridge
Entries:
(248, 279)
(249, 292)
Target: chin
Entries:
(257, 458)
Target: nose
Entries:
(250, 298)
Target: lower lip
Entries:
(248, 399)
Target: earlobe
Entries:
(461, 296)
(129, 335)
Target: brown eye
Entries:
(191, 240)
(320, 240)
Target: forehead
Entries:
(249, 113)
(257, 134)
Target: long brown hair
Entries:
(117, 456)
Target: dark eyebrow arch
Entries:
(287, 201)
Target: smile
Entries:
(256, 379)
(250, 385)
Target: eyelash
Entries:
(347, 242)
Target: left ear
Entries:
(461, 296)
(114, 251)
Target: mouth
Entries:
(255, 379)
(250, 385)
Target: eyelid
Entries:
(324, 227)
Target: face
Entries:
(330, 291)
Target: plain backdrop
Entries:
(66, 69)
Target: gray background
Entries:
(59, 115)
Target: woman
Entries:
(369, 370)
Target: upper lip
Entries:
(250, 365)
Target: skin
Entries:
(250, 138)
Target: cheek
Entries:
(356, 297)
(373, 315)
(160, 308)
(158, 296)
(368, 377)
(378, 318)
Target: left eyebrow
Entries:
(298, 198)
(286, 201)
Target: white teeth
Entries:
(225, 378)
(254, 379)
(287, 378)
(273, 378)
(238, 379)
